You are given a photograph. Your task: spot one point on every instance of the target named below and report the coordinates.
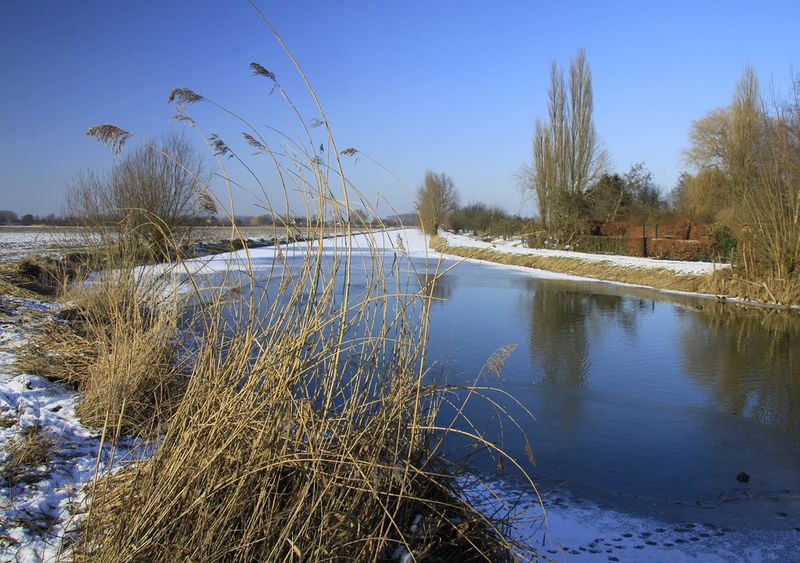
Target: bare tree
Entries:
(436, 198)
(150, 195)
(567, 157)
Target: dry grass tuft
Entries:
(279, 451)
(59, 352)
(36, 276)
(762, 288)
(31, 449)
(117, 344)
(133, 379)
(497, 360)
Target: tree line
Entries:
(743, 177)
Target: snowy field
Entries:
(39, 512)
(16, 242)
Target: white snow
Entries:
(16, 242)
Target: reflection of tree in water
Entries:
(562, 320)
(438, 286)
(750, 358)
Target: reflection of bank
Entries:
(562, 323)
(438, 286)
(748, 358)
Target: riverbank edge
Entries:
(657, 279)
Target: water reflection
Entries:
(644, 401)
(565, 319)
(438, 286)
(748, 358)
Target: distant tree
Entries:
(709, 138)
(747, 173)
(408, 219)
(567, 157)
(645, 195)
(609, 198)
(437, 197)
(8, 217)
(358, 217)
(709, 196)
(724, 150)
(477, 217)
(678, 198)
(26, 219)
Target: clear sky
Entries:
(450, 86)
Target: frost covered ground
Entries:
(570, 529)
(16, 242)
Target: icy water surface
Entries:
(645, 403)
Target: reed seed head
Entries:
(259, 70)
(110, 135)
(184, 96)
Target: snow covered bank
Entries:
(41, 506)
(514, 247)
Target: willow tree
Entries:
(567, 157)
(437, 197)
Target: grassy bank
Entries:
(659, 279)
(729, 283)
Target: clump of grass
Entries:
(762, 287)
(134, 378)
(117, 344)
(60, 352)
(277, 455)
(135, 381)
(31, 449)
(39, 275)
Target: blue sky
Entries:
(450, 86)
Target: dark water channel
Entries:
(646, 403)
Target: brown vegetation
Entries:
(437, 198)
(746, 156)
(32, 448)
